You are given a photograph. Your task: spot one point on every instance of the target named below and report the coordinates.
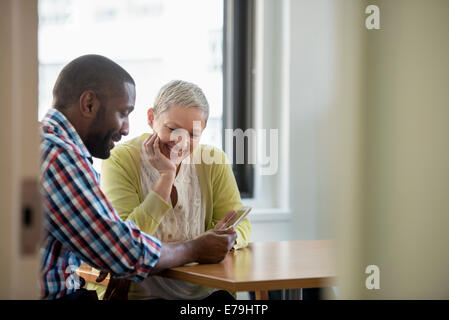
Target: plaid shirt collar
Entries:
(63, 133)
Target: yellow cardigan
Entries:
(120, 181)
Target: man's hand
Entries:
(213, 246)
(209, 247)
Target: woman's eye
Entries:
(171, 129)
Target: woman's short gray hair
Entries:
(181, 93)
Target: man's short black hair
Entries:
(88, 72)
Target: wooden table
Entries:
(264, 266)
(90, 274)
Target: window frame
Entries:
(238, 83)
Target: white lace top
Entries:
(185, 221)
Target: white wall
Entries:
(313, 83)
(402, 222)
(300, 53)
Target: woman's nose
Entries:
(180, 136)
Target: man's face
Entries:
(111, 122)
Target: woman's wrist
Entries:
(168, 175)
(164, 185)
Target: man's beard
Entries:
(97, 142)
(99, 145)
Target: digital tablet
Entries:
(243, 212)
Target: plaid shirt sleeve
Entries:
(80, 216)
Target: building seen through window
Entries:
(154, 40)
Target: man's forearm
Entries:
(209, 247)
(175, 254)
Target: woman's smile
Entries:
(171, 150)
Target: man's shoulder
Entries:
(54, 151)
(52, 142)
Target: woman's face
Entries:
(179, 129)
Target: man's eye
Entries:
(171, 129)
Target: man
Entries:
(92, 99)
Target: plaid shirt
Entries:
(80, 223)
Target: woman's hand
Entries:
(157, 159)
(230, 216)
(220, 227)
(165, 167)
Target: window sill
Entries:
(270, 214)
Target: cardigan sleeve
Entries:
(226, 197)
(120, 181)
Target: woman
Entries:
(168, 169)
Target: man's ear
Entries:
(89, 104)
(150, 114)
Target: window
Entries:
(154, 40)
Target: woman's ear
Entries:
(150, 114)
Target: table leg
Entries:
(262, 295)
(292, 294)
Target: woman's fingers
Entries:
(149, 144)
(149, 139)
(156, 147)
(230, 216)
(157, 159)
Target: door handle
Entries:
(31, 219)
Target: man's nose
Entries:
(125, 128)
